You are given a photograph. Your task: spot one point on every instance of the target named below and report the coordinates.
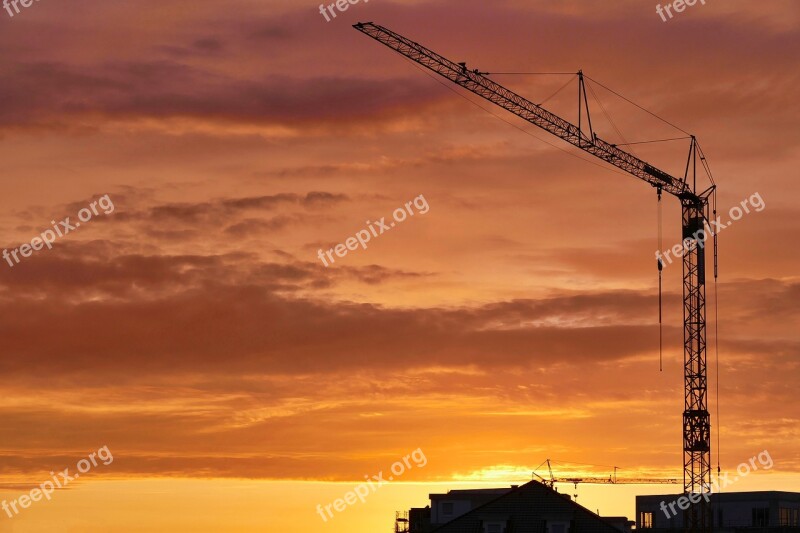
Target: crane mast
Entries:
(695, 206)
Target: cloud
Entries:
(194, 330)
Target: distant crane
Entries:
(695, 214)
(610, 480)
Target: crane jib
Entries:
(477, 83)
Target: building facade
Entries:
(730, 511)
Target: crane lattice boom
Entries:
(483, 86)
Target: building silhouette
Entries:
(529, 508)
(537, 508)
(731, 512)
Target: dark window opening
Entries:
(761, 517)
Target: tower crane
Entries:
(612, 479)
(695, 205)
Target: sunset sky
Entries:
(239, 382)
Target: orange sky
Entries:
(195, 332)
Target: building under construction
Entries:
(532, 507)
(536, 507)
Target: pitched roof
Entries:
(527, 509)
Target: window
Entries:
(761, 517)
(788, 517)
(646, 520)
(447, 508)
(494, 527)
(557, 527)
